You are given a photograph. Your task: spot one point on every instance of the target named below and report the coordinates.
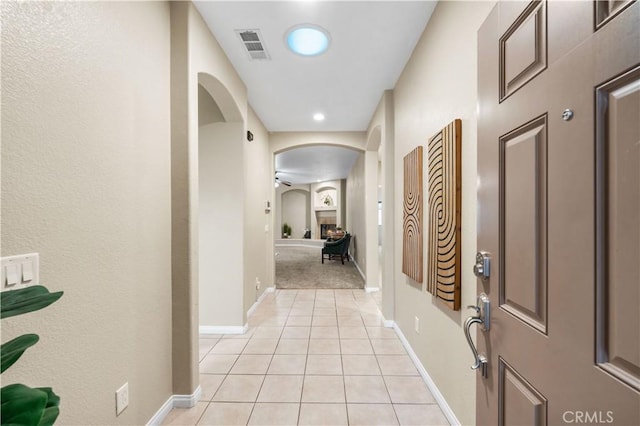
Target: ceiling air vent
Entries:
(253, 44)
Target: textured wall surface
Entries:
(436, 87)
(258, 236)
(86, 183)
(355, 211)
(295, 211)
(220, 223)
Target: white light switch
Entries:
(11, 275)
(20, 271)
(27, 271)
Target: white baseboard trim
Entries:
(187, 401)
(257, 302)
(358, 268)
(442, 403)
(175, 401)
(223, 329)
(371, 289)
(388, 323)
(289, 242)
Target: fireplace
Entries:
(324, 228)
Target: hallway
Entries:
(310, 357)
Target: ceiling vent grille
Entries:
(253, 44)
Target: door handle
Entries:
(483, 311)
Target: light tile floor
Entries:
(310, 357)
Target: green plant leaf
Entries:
(13, 349)
(51, 411)
(29, 299)
(22, 405)
(49, 417)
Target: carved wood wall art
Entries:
(444, 158)
(412, 250)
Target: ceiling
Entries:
(370, 43)
(315, 164)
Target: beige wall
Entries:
(355, 212)
(280, 216)
(220, 236)
(295, 211)
(86, 183)
(437, 86)
(258, 234)
(208, 111)
(380, 136)
(197, 58)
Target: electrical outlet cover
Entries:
(122, 398)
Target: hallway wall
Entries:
(249, 175)
(356, 213)
(295, 208)
(258, 235)
(86, 183)
(220, 236)
(438, 85)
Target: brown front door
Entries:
(559, 212)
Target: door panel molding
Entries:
(523, 195)
(519, 402)
(617, 227)
(606, 10)
(523, 49)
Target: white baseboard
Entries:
(371, 289)
(442, 403)
(175, 401)
(257, 302)
(297, 242)
(358, 268)
(223, 329)
(187, 401)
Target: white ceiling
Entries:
(371, 42)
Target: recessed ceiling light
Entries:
(318, 117)
(307, 40)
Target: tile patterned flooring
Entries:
(310, 357)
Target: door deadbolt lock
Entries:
(482, 268)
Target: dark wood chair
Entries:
(338, 248)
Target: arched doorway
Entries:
(330, 202)
(205, 118)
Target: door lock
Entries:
(482, 268)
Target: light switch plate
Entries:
(27, 268)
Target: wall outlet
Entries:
(258, 283)
(416, 324)
(122, 398)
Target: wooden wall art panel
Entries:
(444, 208)
(412, 250)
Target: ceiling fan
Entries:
(280, 181)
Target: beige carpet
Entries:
(301, 267)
